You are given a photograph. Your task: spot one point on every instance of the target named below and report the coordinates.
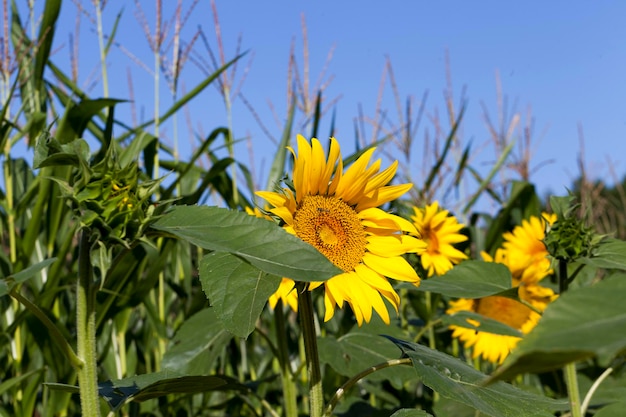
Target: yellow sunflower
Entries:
(440, 231)
(287, 289)
(337, 213)
(496, 347)
(527, 262)
(526, 254)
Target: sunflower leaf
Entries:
(456, 380)
(236, 290)
(197, 344)
(484, 324)
(362, 348)
(470, 279)
(257, 241)
(580, 324)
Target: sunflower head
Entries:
(524, 249)
(440, 231)
(496, 347)
(337, 211)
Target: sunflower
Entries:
(440, 231)
(287, 288)
(338, 213)
(526, 254)
(496, 347)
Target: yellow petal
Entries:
(396, 267)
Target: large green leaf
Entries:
(236, 290)
(610, 254)
(259, 242)
(197, 344)
(580, 324)
(361, 349)
(456, 380)
(470, 279)
(485, 324)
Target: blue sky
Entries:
(566, 61)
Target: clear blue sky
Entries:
(566, 60)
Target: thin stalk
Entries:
(572, 389)
(103, 63)
(86, 330)
(157, 121)
(230, 144)
(432, 343)
(592, 390)
(571, 380)
(352, 381)
(286, 375)
(307, 322)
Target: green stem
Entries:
(352, 381)
(572, 389)
(592, 390)
(286, 375)
(103, 57)
(570, 369)
(86, 330)
(305, 311)
(432, 343)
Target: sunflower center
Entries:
(504, 310)
(429, 235)
(333, 228)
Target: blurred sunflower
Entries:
(440, 231)
(496, 347)
(287, 289)
(526, 254)
(337, 213)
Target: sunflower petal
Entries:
(396, 267)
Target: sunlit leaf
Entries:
(470, 279)
(259, 242)
(580, 324)
(236, 290)
(485, 324)
(456, 380)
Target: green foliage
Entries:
(458, 381)
(471, 279)
(595, 311)
(257, 241)
(158, 286)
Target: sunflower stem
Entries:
(432, 343)
(307, 322)
(570, 369)
(572, 389)
(286, 375)
(86, 330)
